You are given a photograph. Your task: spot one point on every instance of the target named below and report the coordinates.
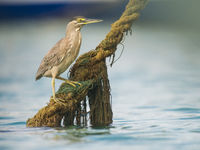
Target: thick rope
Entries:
(90, 69)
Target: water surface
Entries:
(155, 89)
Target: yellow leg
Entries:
(72, 83)
(54, 95)
(60, 78)
(53, 88)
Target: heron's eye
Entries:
(82, 20)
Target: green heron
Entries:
(64, 52)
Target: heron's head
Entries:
(81, 21)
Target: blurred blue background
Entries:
(155, 84)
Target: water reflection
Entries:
(77, 135)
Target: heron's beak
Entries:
(88, 21)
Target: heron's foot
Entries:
(73, 83)
(59, 100)
(76, 82)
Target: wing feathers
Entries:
(54, 57)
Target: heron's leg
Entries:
(58, 100)
(72, 83)
(61, 78)
(53, 87)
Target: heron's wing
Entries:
(54, 57)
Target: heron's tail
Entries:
(38, 76)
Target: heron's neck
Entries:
(71, 29)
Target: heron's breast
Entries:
(71, 55)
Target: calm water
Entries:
(155, 89)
